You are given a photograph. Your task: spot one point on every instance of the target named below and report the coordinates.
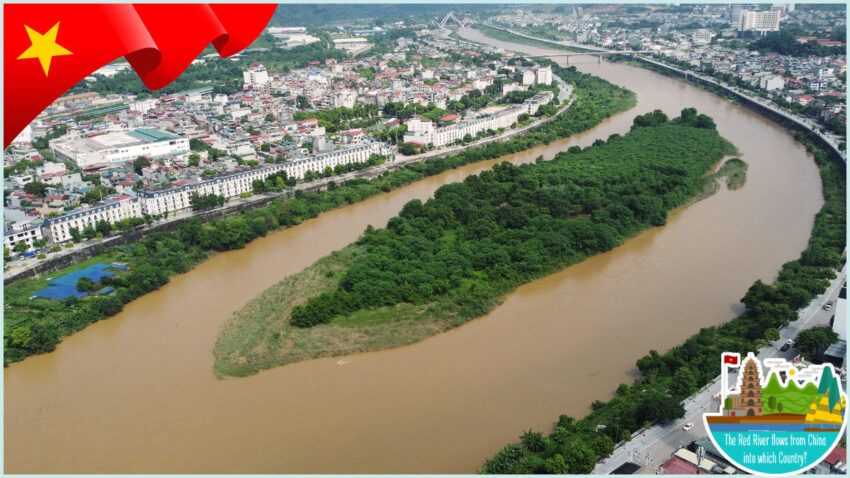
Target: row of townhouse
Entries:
(423, 131)
(179, 197)
(58, 229)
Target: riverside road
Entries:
(654, 446)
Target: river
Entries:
(136, 393)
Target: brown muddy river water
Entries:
(136, 393)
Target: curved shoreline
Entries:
(767, 111)
(135, 393)
(279, 214)
(91, 248)
(261, 335)
(535, 451)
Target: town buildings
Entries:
(422, 131)
(118, 147)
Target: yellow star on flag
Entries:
(44, 47)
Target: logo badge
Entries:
(780, 420)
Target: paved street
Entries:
(654, 446)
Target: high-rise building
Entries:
(255, 77)
(544, 75)
(735, 13)
(759, 21)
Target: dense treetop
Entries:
(478, 239)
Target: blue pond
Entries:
(66, 285)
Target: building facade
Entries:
(422, 131)
(27, 233)
(255, 77)
(58, 229)
(759, 21)
(174, 198)
(113, 148)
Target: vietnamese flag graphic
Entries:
(49, 48)
(731, 359)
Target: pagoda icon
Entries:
(750, 400)
(747, 403)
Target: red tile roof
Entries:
(675, 466)
(836, 455)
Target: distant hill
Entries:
(288, 15)
(793, 398)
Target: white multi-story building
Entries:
(771, 82)
(255, 77)
(528, 77)
(119, 147)
(543, 75)
(143, 106)
(702, 36)
(277, 31)
(422, 131)
(759, 21)
(419, 130)
(57, 229)
(27, 232)
(174, 198)
(50, 168)
(509, 87)
(345, 99)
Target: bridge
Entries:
(583, 50)
(450, 17)
(597, 53)
(800, 122)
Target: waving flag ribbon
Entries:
(49, 48)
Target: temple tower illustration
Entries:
(750, 400)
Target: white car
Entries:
(688, 426)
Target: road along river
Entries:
(136, 393)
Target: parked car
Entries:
(688, 426)
(786, 345)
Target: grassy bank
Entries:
(732, 172)
(453, 258)
(37, 325)
(259, 335)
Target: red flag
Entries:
(731, 359)
(50, 48)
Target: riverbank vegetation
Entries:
(734, 171)
(507, 36)
(448, 260)
(682, 370)
(153, 260)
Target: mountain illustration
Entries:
(829, 386)
(790, 398)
